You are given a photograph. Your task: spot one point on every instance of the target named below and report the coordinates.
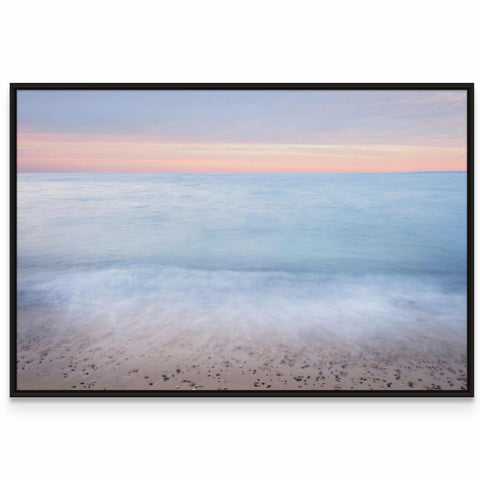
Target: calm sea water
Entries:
(349, 252)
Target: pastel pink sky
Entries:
(239, 131)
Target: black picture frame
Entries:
(15, 87)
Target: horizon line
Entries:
(234, 173)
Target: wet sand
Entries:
(100, 360)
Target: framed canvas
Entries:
(241, 240)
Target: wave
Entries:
(284, 304)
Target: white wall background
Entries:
(222, 41)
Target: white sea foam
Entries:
(289, 305)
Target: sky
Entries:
(269, 131)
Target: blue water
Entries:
(349, 252)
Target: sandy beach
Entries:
(196, 361)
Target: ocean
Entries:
(293, 257)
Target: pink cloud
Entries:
(144, 153)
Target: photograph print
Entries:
(232, 240)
